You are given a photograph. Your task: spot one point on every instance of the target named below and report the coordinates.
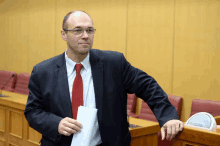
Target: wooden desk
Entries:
(14, 128)
(15, 131)
(197, 137)
(145, 135)
(217, 119)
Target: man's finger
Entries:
(169, 131)
(177, 128)
(162, 133)
(173, 131)
(73, 121)
(181, 126)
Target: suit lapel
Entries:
(97, 75)
(62, 86)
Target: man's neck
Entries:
(77, 58)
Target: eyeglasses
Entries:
(80, 31)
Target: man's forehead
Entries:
(77, 14)
(80, 15)
(80, 19)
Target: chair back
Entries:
(131, 104)
(209, 106)
(22, 83)
(6, 76)
(147, 114)
(177, 102)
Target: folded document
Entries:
(86, 116)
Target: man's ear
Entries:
(63, 35)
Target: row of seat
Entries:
(17, 83)
(198, 105)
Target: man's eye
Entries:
(78, 30)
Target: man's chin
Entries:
(84, 51)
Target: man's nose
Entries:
(85, 35)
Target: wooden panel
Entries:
(110, 22)
(109, 18)
(33, 135)
(2, 143)
(197, 53)
(149, 140)
(177, 142)
(150, 38)
(41, 31)
(11, 144)
(2, 119)
(2, 37)
(1, 1)
(15, 100)
(16, 126)
(15, 141)
(217, 119)
(184, 143)
(16, 36)
(144, 135)
(197, 136)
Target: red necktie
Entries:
(77, 91)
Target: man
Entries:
(95, 79)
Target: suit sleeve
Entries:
(146, 87)
(38, 118)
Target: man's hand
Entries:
(173, 127)
(67, 126)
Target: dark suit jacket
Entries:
(113, 77)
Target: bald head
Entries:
(74, 15)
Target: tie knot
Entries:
(78, 68)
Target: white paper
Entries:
(86, 116)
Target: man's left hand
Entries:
(173, 127)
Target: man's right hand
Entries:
(67, 126)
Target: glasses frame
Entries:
(82, 32)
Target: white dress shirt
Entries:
(88, 91)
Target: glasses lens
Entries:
(90, 31)
(78, 31)
(81, 31)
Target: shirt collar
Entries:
(71, 64)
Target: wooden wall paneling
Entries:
(12, 144)
(34, 136)
(2, 36)
(197, 53)
(109, 18)
(7, 126)
(15, 52)
(41, 30)
(150, 39)
(2, 142)
(15, 124)
(2, 119)
(149, 140)
(2, 125)
(14, 129)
